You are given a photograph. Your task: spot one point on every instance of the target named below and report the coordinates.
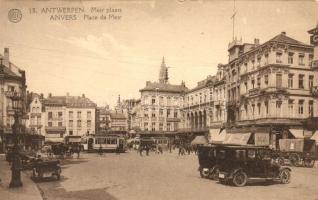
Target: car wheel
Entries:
(215, 174)
(204, 174)
(281, 161)
(284, 176)
(239, 179)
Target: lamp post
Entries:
(16, 160)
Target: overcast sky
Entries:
(106, 58)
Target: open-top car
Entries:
(242, 163)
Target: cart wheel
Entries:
(284, 176)
(239, 179)
(294, 159)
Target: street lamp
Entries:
(16, 160)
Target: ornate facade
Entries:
(160, 105)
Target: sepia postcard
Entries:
(158, 99)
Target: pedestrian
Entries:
(180, 150)
(140, 149)
(147, 150)
(100, 150)
(160, 149)
(78, 151)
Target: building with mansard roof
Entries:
(160, 105)
(68, 116)
(269, 87)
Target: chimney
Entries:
(50, 95)
(6, 58)
(67, 94)
(147, 83)
(42, 96)
(256, 41)
(283, 33)
(83, 95)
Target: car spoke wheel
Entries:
(239, 179)
(284, 176)
(215, 174)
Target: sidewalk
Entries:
(28, 191)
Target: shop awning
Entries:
(261, 139)
(216, 136)
(237, 138)
(297, 133)
(199, 140)
(315, 137)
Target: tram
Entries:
(105, 142)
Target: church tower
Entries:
(163, 74)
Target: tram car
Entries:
(109, 143)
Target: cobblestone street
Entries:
(167, 176)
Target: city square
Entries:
(162, 176)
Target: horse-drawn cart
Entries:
(298, 152)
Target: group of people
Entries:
(186, 148)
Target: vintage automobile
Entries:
(244, 162)
(46, 168)
(297, 152)
(209, 156)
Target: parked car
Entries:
(244, 162)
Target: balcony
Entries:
(35, 125)
(55, 128)
(55, 119)
(254, 92)
(35, 114)
(173, 119)
(314, 64)
(13, 94)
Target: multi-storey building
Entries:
(126, 107)
(13, 83)
(36, 114)
(161, 103)
(118, 123)
(102, 119)
(269, 86)
(68, 116)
